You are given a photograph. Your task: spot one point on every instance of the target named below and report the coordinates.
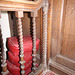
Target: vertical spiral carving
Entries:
(34, 34)
(20, 36)
(44, 44)
(34, 44)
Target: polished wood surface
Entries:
(18, 5)
(56, 25)
(49, 30)
(68, 44)
(18, 0)
(63, 36)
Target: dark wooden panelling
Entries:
(68, 44)
(56, 21)
(63, 33)
(57, 71)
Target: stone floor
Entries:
(49, 73)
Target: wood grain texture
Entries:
(60, 68)
(18, 5)
(56, 24)
(68, 44)
(49, 29)
(66, 62)
(63, 33)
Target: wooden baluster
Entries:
(2, 52)
(34, 15)
(19, 15)
(44, 44)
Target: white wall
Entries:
(4, 22)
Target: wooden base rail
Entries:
(62, 68)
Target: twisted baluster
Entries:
(34, 15)
(44, 44)
(19, 15)
(2, 55)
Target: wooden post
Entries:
(34, 15)
(2, 53)
(19, 15)
(44, 38)
(49, 30)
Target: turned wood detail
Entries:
(44, 38)
(2, 55)
(19, 15)
(34, 15)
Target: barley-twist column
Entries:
(19, 15)
(44, 44)
(2, 54)
(34, 15)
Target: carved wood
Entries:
(65, 61)
(62, 20)
(44, 67)
(38, 71)
(61, 68)
(44, 43)
(29, 6)
(49, 29)
(19, 15)
(34, 15)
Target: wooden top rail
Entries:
(20, 5)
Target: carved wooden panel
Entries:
(63, 36)
(68, 44)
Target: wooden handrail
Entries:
(20, 5)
